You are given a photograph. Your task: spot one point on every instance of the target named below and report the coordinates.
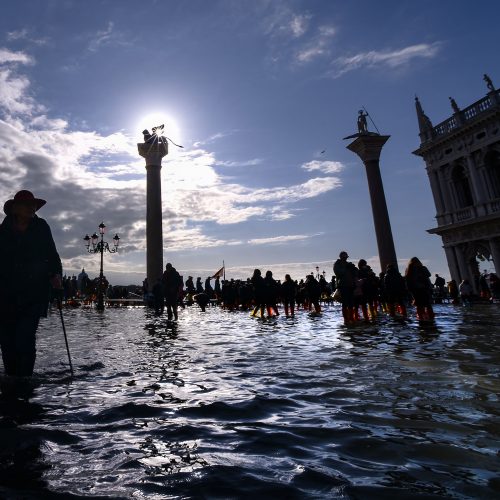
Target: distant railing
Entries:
(466, 114)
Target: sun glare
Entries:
(171, 129)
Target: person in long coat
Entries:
(418, 282)
(172, 285)
(346, 274)
(29, 267)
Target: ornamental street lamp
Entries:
(100, 247)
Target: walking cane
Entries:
(59, 305)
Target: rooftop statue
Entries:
(454, 105)
(489, 83)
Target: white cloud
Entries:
(309, 189)
(17, 34)
(299, 24)
(388, 58)
(9, 56)
(317, 46)
(213, 138)
(277, 240)
(14, 97)
(25, 35)
(243, 163)
(310, 53)
(43, 122)
(107, 36)
(193, 238)
(326, 167)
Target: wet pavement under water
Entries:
(222, 405)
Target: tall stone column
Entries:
(153, 154)
(368, 147)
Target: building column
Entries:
(452, 264)
(462, 263)
(449, 205)
(477, 185)
(495, 254)
(436, 192)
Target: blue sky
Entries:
(254, 91)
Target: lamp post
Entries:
(100, 247)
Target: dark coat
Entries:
(346, 273)
(313, 289)
(259, 288)
(172, 284)
(394, 285)
(271, 289)
(27, 262)
(288, 290)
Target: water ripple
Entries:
(221, 405)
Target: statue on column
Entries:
(158, 137)
(362, 123)
(148, 138)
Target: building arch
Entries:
(492, 165)
(461, 186)
(477, 255)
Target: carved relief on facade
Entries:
(471, 232)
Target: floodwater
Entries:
(222, 405)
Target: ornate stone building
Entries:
(462, 156)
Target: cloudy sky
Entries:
(260, 93)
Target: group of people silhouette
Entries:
(361, 292)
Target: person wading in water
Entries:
(29, 265)
(346, 274)
(172, 284)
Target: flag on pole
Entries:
(219, 273)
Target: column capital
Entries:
(368, 146)
(152, 152)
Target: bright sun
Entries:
(151, 120)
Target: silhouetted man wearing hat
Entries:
(29, 265)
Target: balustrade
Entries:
(464, 214)
(468, 113)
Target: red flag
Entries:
(219, 273)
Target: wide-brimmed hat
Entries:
(23, 196)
